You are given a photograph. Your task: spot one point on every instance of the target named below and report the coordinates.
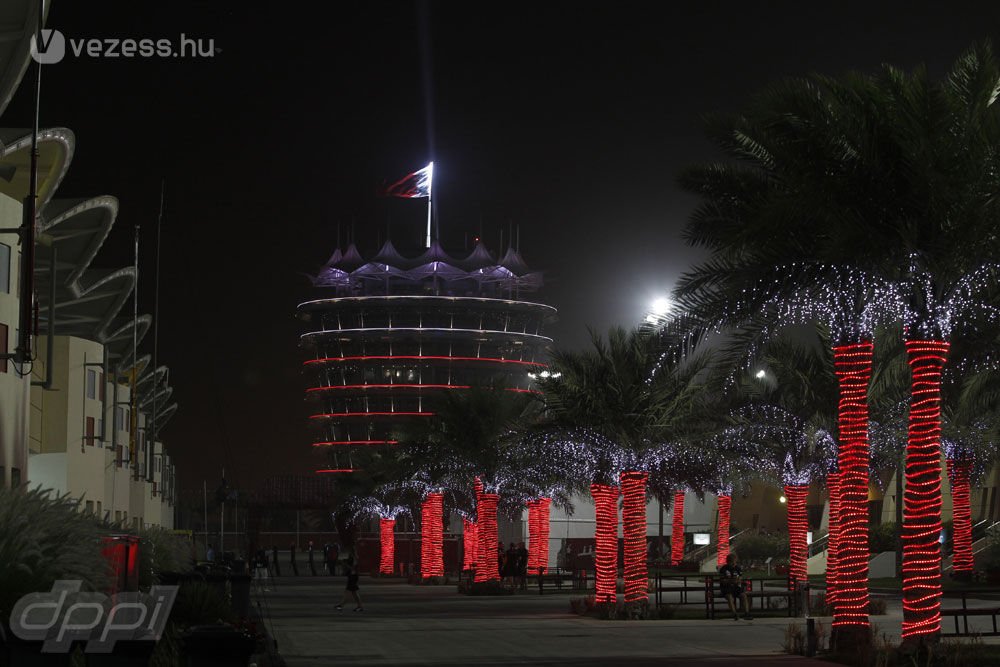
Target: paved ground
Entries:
(433, 625)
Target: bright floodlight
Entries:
(782, 499)
(760, 375)
(660, 307)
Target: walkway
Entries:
(433, 625)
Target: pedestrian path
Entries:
(409, 625)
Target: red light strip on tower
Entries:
(469, 539)
(432, 536)
(677, 530)
(853, 367)
(833, 533)
(725, 513)
(338, 415)
(433, 357)
(387, 533)
(633, 484)
(922, 497)
(335, 443)
(354, 387)
(960, 473)
(486, 517)
(606, 542)
(798, 528)
(327, 471)
(532, 536)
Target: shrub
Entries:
(161, 551)
(758, 548)
(883, 537)
(44, 537)
(199, 603)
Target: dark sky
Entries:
(570, 119)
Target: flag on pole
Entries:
(412, 186)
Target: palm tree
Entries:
(907, 170)
(474, 436)
(620, 398)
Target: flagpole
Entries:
(430, 190)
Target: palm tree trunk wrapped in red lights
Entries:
(677, 530)
(387, 557)
(725, 509)
(633, 485)
(470, 540)
(960, 473)
(606, 542)
(853, 366)
(487, 567)
(833, 533)
(432, 536)
(538, 530)
(922, 497)
(798, 527)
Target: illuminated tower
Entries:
(389, 335)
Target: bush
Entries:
(883, 537)
(758, 548)
(43, 538)
(161, 551)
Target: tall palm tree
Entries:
(623, 396)
(474, 436)
(901, 173)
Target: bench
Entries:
(684, 588)
(560, 580)
(712, 593)
(964, 613)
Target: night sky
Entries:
(569, 120)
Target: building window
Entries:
(121, 419)
(4, 268)
(89, 439)
(15, 477)
(3, 348)
(91, 383)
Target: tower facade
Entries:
(389, 335)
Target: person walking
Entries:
(351, 590)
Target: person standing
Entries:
(274, 560)
(351, 590)
(522, 566)
(312, 563)
(295, 566)
(331, 559)
(210, 554)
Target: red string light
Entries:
(677, 531)
(725, 511)
(541, 550)
(469, 540)
(486, 552)
(853, 366)
(606, 541)
(387, 530)
(533, 536)
(833, 532)
(960, 473)
(335, 443)
(633, 486)
(432, 536)
(424, 357)
(922, 497)
(798, 528)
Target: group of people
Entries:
(513, 565)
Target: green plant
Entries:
(758, 548)
(883, 537)
(161, 551)
(45, 537)
(795, 640)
